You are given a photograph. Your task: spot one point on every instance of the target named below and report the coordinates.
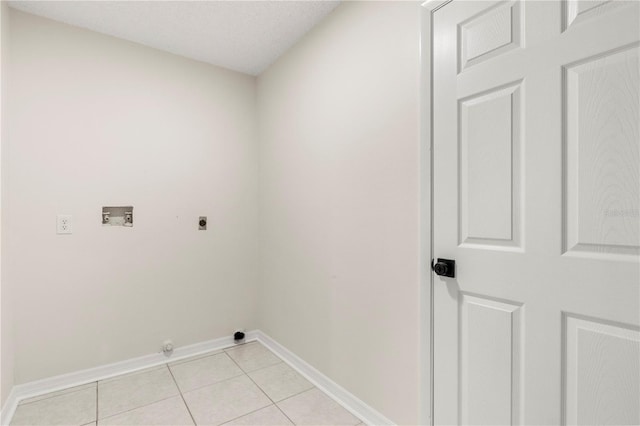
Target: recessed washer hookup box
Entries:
(117, 216)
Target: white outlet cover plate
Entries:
(64, 224)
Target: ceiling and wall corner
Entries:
(244, 36)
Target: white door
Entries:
(536, 186)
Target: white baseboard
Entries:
(64, 381)
(343, 397)
(52, 384)
(9, 408)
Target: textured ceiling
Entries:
(245, 36)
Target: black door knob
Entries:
(444, 267)
(441, 268)
(203, 222)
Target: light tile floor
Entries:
(243, 385)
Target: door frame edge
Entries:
(427, 11)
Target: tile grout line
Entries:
(250, 412)
(242, 373)
(212, 383)
(195, 358)
(299, 393)
(257, 343)
(284, 414)
(97, 403)
(360, 421)
(239, 345)
(252, 381)
(55, 396)
(136, 408)
(110, 379)
(261, 390)
(289, 397)
(184, 401)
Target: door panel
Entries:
(602, 370)
(489, 166)
(578, 10)
(489, 33)
(485, 320)
(601, 194)
(536, 186)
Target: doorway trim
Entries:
(427, 11)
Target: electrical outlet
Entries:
(64, 224)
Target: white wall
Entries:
(339, 190)
(96, 121)
(6, 305)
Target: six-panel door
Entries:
(537, 197)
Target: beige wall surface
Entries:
(6, 305)
(96, 121)
(339, 202)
